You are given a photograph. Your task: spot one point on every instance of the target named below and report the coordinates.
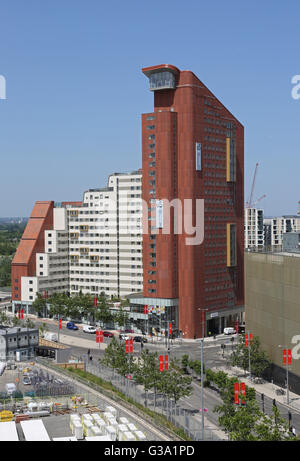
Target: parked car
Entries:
(89, 329)
(140, 339)
(72, 326)
(129, 331)
(229, 331)
(123, 337)
(108, 334)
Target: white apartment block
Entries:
(93, 246)
(254, 228)
(274, 228)
(105, 238)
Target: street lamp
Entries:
(202, 368)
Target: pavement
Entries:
(266, 388)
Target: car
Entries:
(140, 339)
(89, 329)
(108, 334)
(229, 331)
(72, 326)
(129, 331)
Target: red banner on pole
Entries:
(166, 362)
(97, 336)
(161, 363)
(127, 346)
(243, 393)
(19, 314)
(145, 309)
(236, 393)
(246, 340)
(284, 356)
(101, 336)
(289, 357)
(60, 324)
(251, 338)
(131, 346)
(170, 328)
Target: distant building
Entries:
(272, 307)
(291, 242)
(18, 343)
(274, 228)
(254, 228)
(91, 246)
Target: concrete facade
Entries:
(272, 306)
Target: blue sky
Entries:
(75, 90)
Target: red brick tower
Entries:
(193, 148)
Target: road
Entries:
(213, 358)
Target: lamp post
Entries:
(202, 368)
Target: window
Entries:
(161, 80)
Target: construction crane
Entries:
(250, 203)
(259, 199)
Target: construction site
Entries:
(37, 404)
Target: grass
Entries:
(157, 418)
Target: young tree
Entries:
(39, 305)
(116, 358)
(43, 328)
(258, 358)
(174, 384)
(57, 303)
(148, 374)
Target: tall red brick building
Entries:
(193, 148)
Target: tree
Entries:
(4, 319)
(258, 358)
(121, 317)
(116, 358)
(245, 422)
(174, 384)
(39, 305)
(43, 328)
(57, 302)
(147, 373)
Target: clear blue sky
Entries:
(75, 90)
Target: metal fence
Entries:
(159, 403)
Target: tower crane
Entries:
(250, 203)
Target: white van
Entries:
(88, 329)
(229, 331)
(51, 336)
